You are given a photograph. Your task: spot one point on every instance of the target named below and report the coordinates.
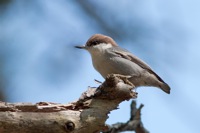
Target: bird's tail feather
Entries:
(165, 87)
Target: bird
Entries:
(109, 58)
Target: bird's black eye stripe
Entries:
(95, 42)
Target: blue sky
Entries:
(39, 62)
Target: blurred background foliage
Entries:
(38, 61)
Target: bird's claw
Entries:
(125, 79)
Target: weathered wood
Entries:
(86, 115)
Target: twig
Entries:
(134, 124)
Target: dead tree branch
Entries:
(134, 124)
(87, 115)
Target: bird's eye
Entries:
(95, 42)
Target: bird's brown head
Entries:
(98, 39)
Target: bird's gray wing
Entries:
(127, 55)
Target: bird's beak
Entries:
(80, 47)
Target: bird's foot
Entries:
(125, 79)
(97, 81)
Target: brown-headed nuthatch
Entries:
(109, 58)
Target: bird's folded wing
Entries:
(127, 55)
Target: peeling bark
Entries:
(86, 115)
